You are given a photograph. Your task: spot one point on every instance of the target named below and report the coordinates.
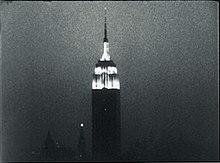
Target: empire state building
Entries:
(106, 141)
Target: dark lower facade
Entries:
(106, 132)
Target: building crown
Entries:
(105, 75)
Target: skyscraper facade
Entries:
(105, 107)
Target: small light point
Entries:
(81, 125)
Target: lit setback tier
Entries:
(105, 76)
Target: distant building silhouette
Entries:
(49, 148)
(82, 145)
(106, 141)
(52, 151)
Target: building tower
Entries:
(48, 150)
(81, 144)
(105, 107)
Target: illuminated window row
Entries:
(108, 70)
(105, 81)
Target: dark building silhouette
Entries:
(105, 107)
(48, 150)
(81, 144)
(52, 151)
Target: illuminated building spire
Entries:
(105, 75)
(105, 56)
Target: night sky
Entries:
(167, 59)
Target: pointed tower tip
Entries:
(105, 55)
(105, 13)
(105, 28)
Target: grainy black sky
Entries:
(167, 58)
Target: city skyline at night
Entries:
(167, 62)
